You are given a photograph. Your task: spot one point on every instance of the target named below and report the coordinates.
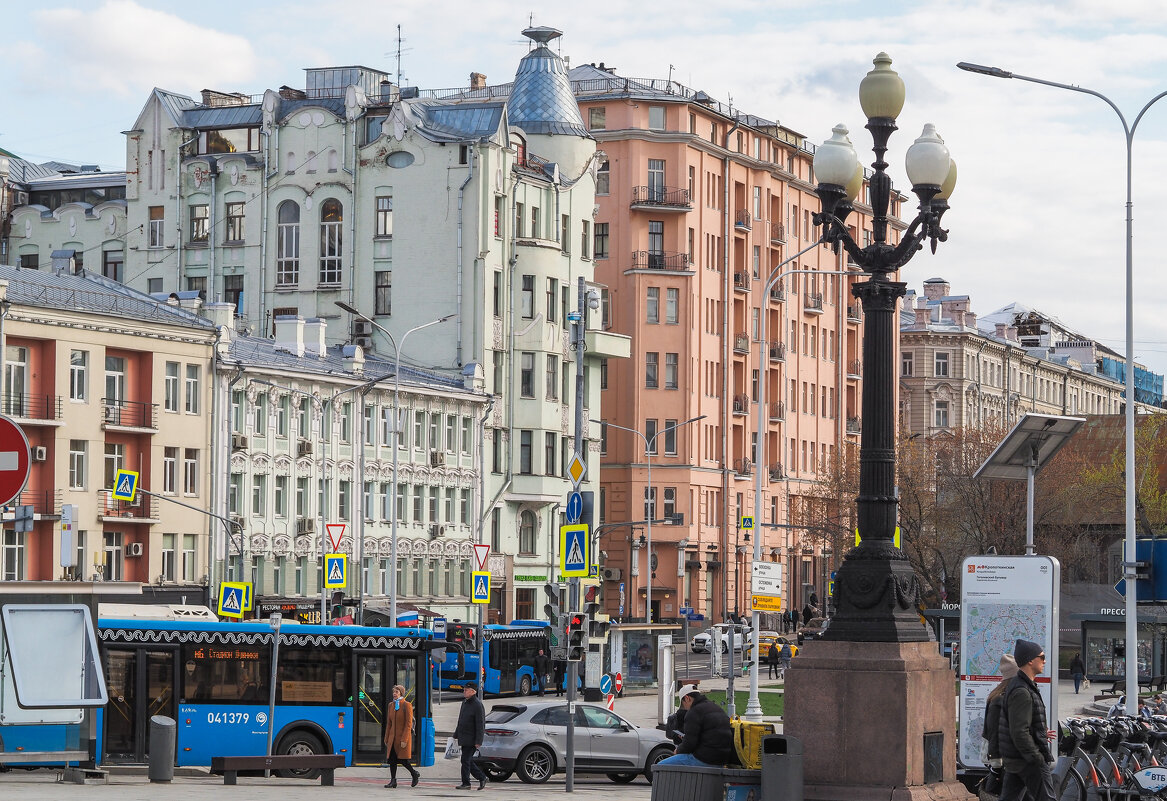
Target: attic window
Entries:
(229, 140)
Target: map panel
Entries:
(993, 629)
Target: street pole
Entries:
(578, 335)
(1129, 564)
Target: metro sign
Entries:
(14, 460)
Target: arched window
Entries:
(331, 217)
(527, 532)
(288, 244)
(333, 161)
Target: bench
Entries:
(1153, 683)
(230, 766)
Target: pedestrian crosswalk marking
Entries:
(480, 587)
(231, 602)
(126, 485)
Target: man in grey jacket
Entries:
(1023, 732)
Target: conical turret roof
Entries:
(541, 100)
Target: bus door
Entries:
(376, 674)
(140, 682)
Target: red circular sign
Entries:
(619, 682)
(14, 460)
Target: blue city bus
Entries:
(507, 652)
(333, 684)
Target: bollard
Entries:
(163, 733)
(781, 768)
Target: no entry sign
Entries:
(14, 460)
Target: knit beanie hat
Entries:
(1008, 667)
(1025, 652)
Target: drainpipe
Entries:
(178, 207)
(211, 233)
(461, 196)
(980, 385)
(267, 157)
(727, 359)
(5, 307)
(352, 233)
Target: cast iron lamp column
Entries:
(876, 589)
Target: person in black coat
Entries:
(708, 740)
(1077, 671)
(560, 670)
(542, 669)
(773, 660)
(469, 733)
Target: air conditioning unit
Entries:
(238, 442)
(437, 531)
(304, 448)
(362, 328)
(113, 415)
(612, 574)
(133, 549)
(437, 458)
(20, 198)
(366, 343)
(306, 525)
(237, 520)
(39, 453)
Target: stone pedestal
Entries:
(862, 711)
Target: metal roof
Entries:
(222, 117)
(468, 120)
(541, 100)
(174, 103)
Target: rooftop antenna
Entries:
(400, 51)
(671, 68)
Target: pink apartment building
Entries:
(697, 203)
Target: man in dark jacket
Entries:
(542, 668)
(772, 657)
(1023, 732)
(708, 740)
(468, 734)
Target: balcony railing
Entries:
(741, 343)
(777, 352)
(129, 414)
(741, 281)
(743, 467)
(33, 407)
(648, 260)
(777, 410)
(741, 403)
(855, 368)
(854, 313)
(663, 197)
(776, 472)
(812, 301)
(777, 233)
(853, 426)
(144, 508)
(777, 293)
(742, 220)
(46, 503)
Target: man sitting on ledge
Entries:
(708, 740)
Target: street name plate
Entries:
(766, 578)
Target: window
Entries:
(650, 366)
(346, 421)
(603, 373)
(552, 378)
(384, 225)
(941, 414)
(170, 400)
(168, 556)
(499, 207)
(552, 300)
(603, 178)
(656, 118)
(941, 365)
(585, 239)
(528, 297)
(671, 369)
(451, 436)
(536, 232)
(111, 265)
(192, 389)
(155, 231)
(467, 423)
(652, 306)
(527, 532)
(383, 299)
(656, 244)
(283, 411)
(12, 566)
(281, 500)
(527, 375)
(670, 432)
(169, 470)
(288, 244)
(670, 503)
(78, 460)
(549, 453)
(115, 380)
(190, 472)
(79, 375)
(672, 300)
(199, 223)
(233, 291)
(331, 220)
(259, 495)
(234, 223)
(656, 180)
(564, 229)
(519, 220)
(525, 442)
(650, 432)
(261, 415)
(907, 363)
(601, 240)
(597, 119)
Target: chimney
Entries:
(477, 80)
(1002, 330)
(222, 315)
(354, 359)
(314, 337)
(970, 319)
(290, 334)
(192, 305)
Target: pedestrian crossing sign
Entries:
(248, 596)
(748, 523)
(125, 486)
(480, 586)
(231, 599)
(575, 557)
(335, 570)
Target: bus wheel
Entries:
(300, 743)
(536, 764)
(525, 685)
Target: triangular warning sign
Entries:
(231, 601)
(480, 590)
(126, 485)
(575, 553)
(336, 572)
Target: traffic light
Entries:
(551, 608)
(577, 638)
(598, 629)
(337, 604)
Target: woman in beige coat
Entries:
(399, 736)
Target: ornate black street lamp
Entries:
(876, 590)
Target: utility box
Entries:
(781, 768)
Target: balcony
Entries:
(648, 260)
(777, 233)
(777, 352)
(743, 467)
(777, 411)
(46, 503)
(813, 302)
(776, 472)
(777, 293)
(854, 313)
(854, 370)
(853, 426)
(143, 510)
(32, 409)
(660, 198)
(129, 414)
(741, 343)
(742, 221)
(741, 281)
(741, 403)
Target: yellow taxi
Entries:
(766, 638)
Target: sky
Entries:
(1039, 208)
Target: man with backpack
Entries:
(1023, 734)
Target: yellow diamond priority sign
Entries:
(577, 469)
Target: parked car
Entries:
(703, 643)
(814, 628)
(766, 638)
(530, 739)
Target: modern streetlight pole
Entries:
(396, 440)
(1129, 564)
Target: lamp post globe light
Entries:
(876, 590)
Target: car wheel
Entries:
(496, 774)
(525, 685)
(300, 743)
(724, 648)
(622, 778)
(535, 765)
(656, 756)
